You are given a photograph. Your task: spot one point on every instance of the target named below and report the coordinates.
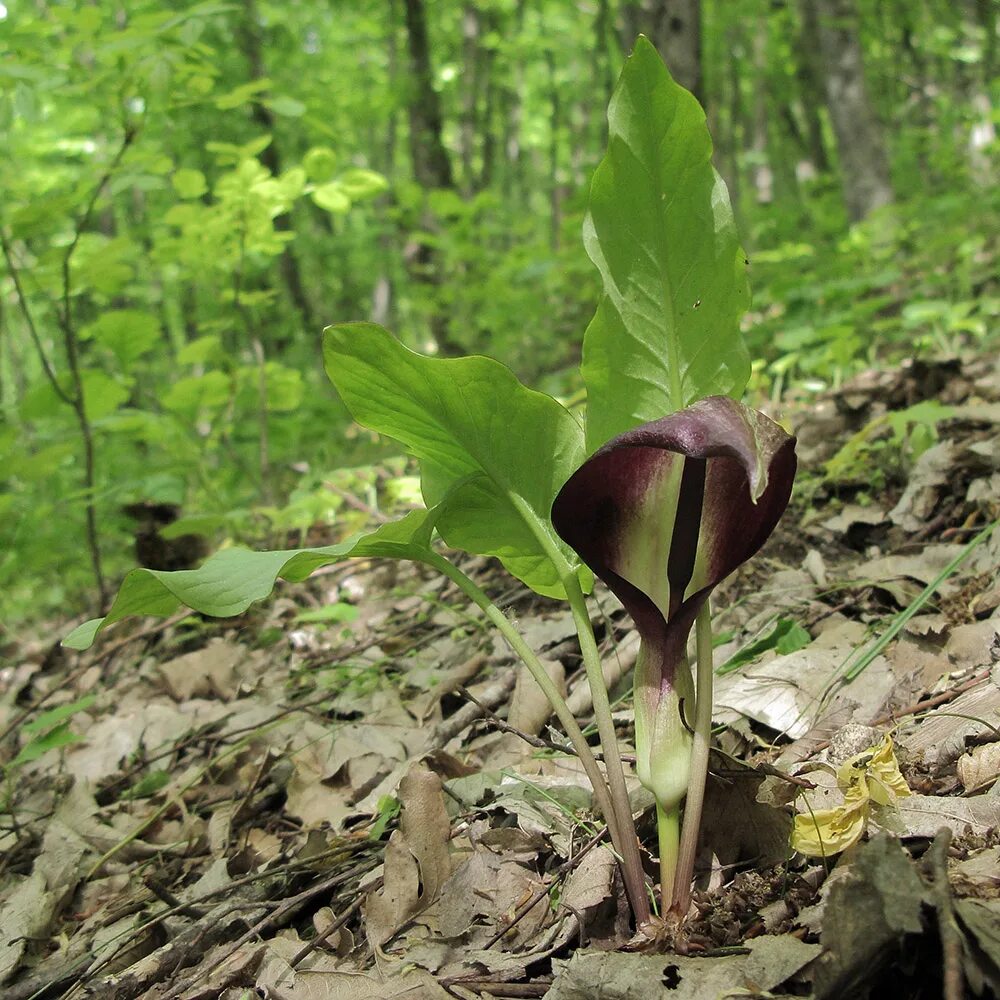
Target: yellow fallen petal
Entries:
(829, 831)
(888, 782)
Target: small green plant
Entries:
(48, 731)
(887, 444)
(670, 485)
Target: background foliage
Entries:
(192, 193)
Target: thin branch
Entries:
(29, 320)
(66, 319)
(72, 346)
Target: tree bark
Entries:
(383, 291)
(810, 80)
(512, 115)
(864, 164)
(472, 63)
(555, 130)
(763, 176)
(431, 165)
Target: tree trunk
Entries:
(864, 164)
(489, 146)
(383, 291)
(249, 34)
(674, 27)
(555, 129)
(431, 164)
(809, 75)
(604, 79)
(472, 58)
(763, 176)
(512, 115)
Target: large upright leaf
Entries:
(231, 580)
(467, 417)
(660, 230)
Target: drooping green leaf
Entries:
(231, 580)
(50, 730)
(59, 736)
(329, 614)
(319, 163)
(467, 419)
(147, 785)
(57, 716)
(201, 350)
(660, 230)
(287, 106)
(102, 395)
(197, 392)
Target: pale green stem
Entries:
(668, 831)
(631, 861)
(628, 848)
(544, 681)
(699, 764)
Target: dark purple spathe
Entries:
(735, 468)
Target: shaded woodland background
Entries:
(190, 194)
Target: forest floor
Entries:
(351, 791)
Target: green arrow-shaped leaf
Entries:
(660, 230)
(231, 580)
(468, 417)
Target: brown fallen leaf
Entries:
(979, 768)
(417, 860)
(212, 670)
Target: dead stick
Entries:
(953, 980)
(312, 945)
(920, 706)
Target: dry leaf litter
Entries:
(378, 808)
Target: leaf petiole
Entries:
(701, 742)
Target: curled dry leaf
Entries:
(980, 768)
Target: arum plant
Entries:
(671, 484)
(662, 514)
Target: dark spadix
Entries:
(662, 514)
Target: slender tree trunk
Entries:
(763, 176)
(983, 133)
(431, 164)
(986, 14)
(555, 132)
(864, 163)
(383, 297)
(809, 75)
(489, 144)
(604, 79)
(512, 116)
(249, 34)
(471, 60)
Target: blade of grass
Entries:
(864, 657)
